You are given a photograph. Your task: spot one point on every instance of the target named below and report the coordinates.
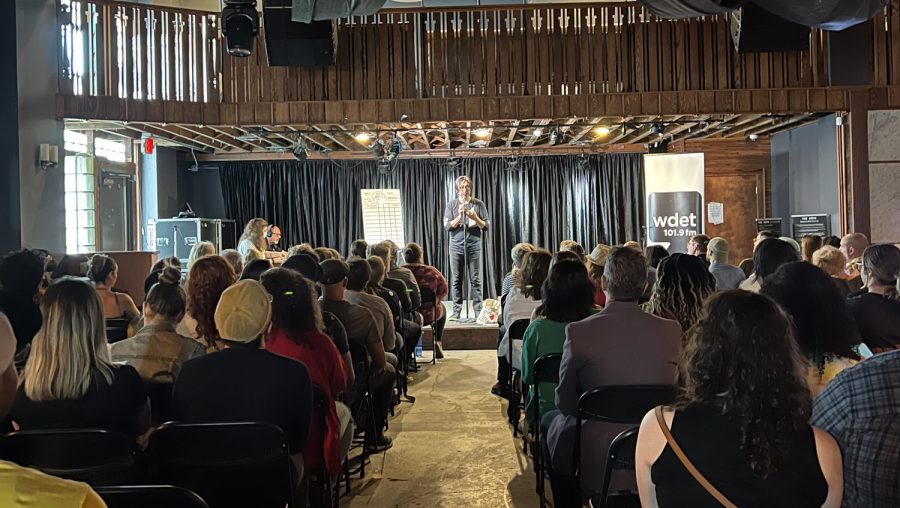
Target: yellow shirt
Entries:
(22, 487)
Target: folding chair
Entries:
(514, 412)
(546, 370)
(150, 496)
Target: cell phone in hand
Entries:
(864, 351)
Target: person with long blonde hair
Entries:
(199, 250)
(69, 380)
(254, 242)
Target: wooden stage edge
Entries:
(464, 335)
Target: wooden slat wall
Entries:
(532, 51)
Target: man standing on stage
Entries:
(466, 219)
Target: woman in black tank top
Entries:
(741, 419)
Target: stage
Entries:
(464, 334)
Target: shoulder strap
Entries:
(687, 462)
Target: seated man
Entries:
(358, 276)
(409, 294)
(859, 408)
(361, 329)
(621, 345)
(244, 382)
(727, 276)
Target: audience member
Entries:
(833, 262)
(69, 380)
(809, 244)
(621, 345)
(335, 254)
(763, 235)
(793, 243)
(361, 329)
(517, 253)
(297, 333)
(746, 266)
(409, 330)
(304, 248)
(566, 255)
(859, 408)
(156, 349)
(684, 284)
(655, 254)
(305, 264)
(877, 310)
(104, 272)
(741, 418)
(398, 286)
(254, 269)
(234, 259)
(697, 246)
(824, 327)
(631, 244)
(520, 304)
(832, 240)
(853, 246)
(395, 271)
(359, 248)
(566, 296)
(21, 273)
(427, 276)
(596, 262)
(71, 265)
(574, 247)
(244, 382)
(167, 261)
(324, 253)
(208, 278)
(769, 255)
(727, 276)
(199, 250)
(358, 275)
(23, 487)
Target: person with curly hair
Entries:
(741, 417)
(208, 278)
(825, 338)
(254, 243)
(832, 261)
(683, 285)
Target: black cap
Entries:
(306, 265)
(334, 271)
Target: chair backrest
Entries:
(428, 295)
(94, 456)
(117, 329)
(228, 464)
(517, 329)
(623, 404)
(621, 450)
(160, 402)
(150, 496)
(546, 368)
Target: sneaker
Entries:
(500, 390)
(454, 316)
(381, 444)
(438, 351)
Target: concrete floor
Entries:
(452, 447)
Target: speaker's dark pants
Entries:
(471, 262)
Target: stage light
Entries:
(482, 132)
(300, 151)
(240, 25)
(602, 131)
(513, 163)
(538, 132)
(753, 137)
(362, 137)
(583, 162)
(656, 128)
(555, 136)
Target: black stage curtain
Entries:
(545, 200)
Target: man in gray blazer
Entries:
(622, 345)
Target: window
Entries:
(81, 231)
(76, 142)
(110, 150)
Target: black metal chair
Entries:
(514, 411)
(150, 496)
(95, 456)
(321, 486)
(626, 404)
(361, 408)
(159, 390)
(235, 464)
(117, 329)
(428, 296)
(546, 370)
(620, 457)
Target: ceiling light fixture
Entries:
(602, 131)
(538, 131)
(362, 137)
(482, 132)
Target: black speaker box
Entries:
(756, 30)
(293, 44)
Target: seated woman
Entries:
(824, 327)
(104, 272)
(524, 299)
(595, 263)
(208, 278)
(683, 284)
(254, 269)
(568, 296)
(156, 348)
(297, 333)
(832, 261)
(741, 418)
(429, 277)
(199, 250)
(877, 310)
(69, 380)
(768, 256)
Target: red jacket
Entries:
(431, 278)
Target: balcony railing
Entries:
(141, 52)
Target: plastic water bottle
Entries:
(419, 348)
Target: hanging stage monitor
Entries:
(382, 216)
(673, 186)
(293, 44)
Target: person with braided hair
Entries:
(683, 285)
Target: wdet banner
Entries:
(673, 186)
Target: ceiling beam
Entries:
(538, 125)
(173, 138)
